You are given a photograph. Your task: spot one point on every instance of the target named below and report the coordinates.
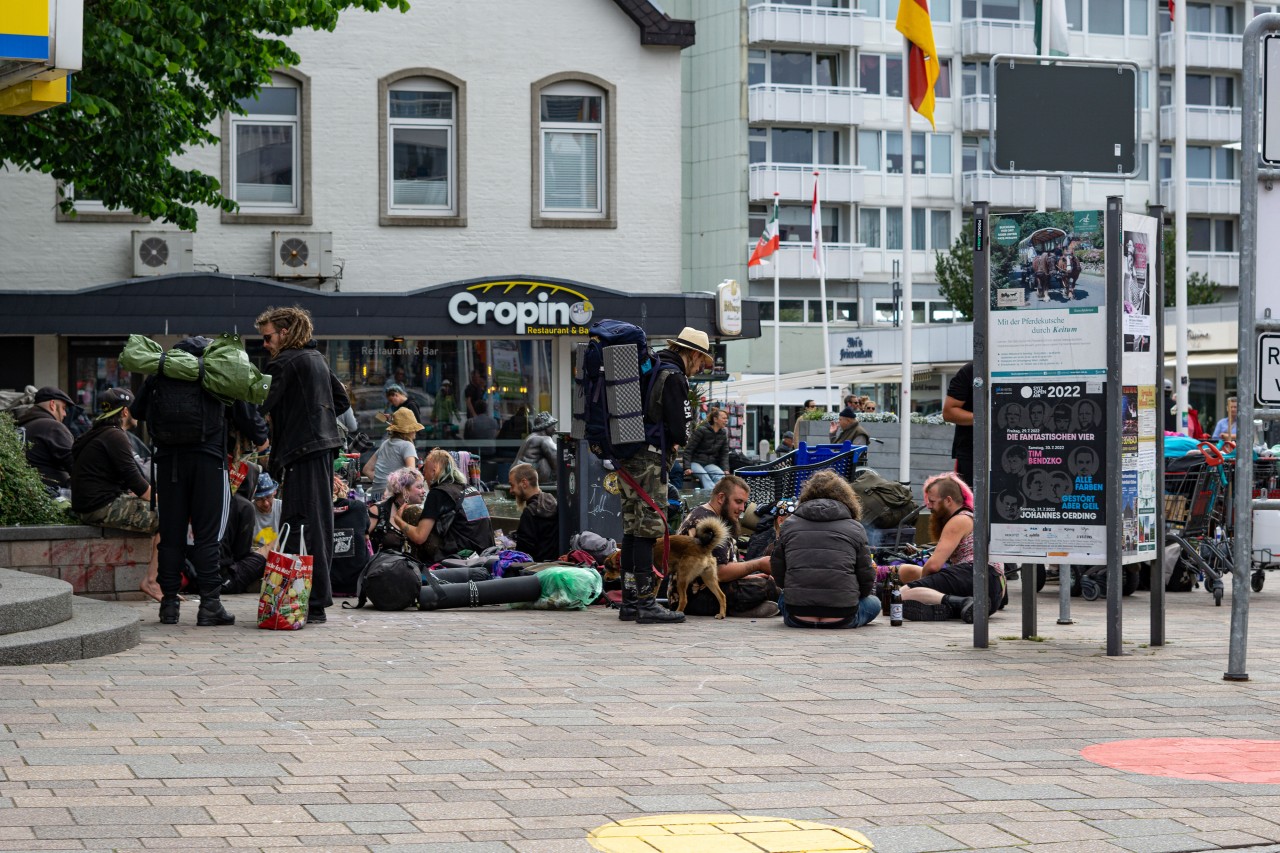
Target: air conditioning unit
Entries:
(302, 254)
(161, 252)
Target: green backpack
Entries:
(885, 503)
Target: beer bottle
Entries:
(895, 600)
(884, 597)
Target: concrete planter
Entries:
(813, 432)
(930, 451)
(105, 564)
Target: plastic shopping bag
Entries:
(286, 587)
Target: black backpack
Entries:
(390, 581)
(181, 413)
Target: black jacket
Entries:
(48, 446)
(538, 533)
(708, 447)
(302, 405)
(104, 469)
(821, 558)
(676, 411)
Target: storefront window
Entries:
(476, 395)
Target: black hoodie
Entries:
(822, 561)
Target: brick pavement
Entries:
(499, 730)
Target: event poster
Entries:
(1136, 282)
(1141, 377)
(1048, 295)
(1048, 478)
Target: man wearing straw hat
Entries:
(642, 526)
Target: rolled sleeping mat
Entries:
(461, 574)
(436, 595)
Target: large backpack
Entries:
(390, 581)
(884, 502)
(617, 399)
(181, 413)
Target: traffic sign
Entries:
(1269, 369)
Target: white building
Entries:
(506, 154)
(775, 90)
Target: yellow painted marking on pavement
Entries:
(724, 833)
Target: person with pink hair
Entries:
(943, 587)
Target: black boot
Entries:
(169, 609)
(648, 610)
(626, 564)
(212, 612)
(961, 606)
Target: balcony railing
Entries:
(1006, 192)
(985, 37)
(1204, 124)
(795, 260)
(836, 105)
(794, 182)
(1205, 50)
(975, 113)
(1220, 267)
(776, 23)
(1205, 196)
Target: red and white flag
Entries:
(768, 242)
(816, 224)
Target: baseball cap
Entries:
(50, 392)
(848, 412)
(788, 434)
(113, 400)
(395, 387)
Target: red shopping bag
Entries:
(286, 587)
(237, 470)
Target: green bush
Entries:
(23, 497)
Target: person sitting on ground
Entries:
(706, 455)
(539, 449)
(454, 517)
(848, 428)
(396, 451)
(350, 539)
(404, 495)
(48, 439)
(107, 488)
(242, 562)
(480, 427)
(943, 588)
(266, 511)
(747, 585)
(822, 561)
(538, 533)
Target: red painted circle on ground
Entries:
(1208, 759)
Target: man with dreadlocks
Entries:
(303, 404)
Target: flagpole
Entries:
(1042, 202)
(904, 405)
(777, 352)
(822, 288)
(1180, 211)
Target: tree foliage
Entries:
(954, 271)
(23, 497)
(1201, 290)
(157, 76)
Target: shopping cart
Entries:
(785, 476)
(1197, 510)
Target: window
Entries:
(893, 152)
(790, 69)
(757, 219)
(1207, 90)
(1211, 235)
(793, 68)
(1166, 162)
(265, 159)
(975, 78)
(1224, 91)
(869, 150)
(791, 310)
(1199, 162)
(420, 147)
(1199, 18)
(757, 67)
(893, 229)
(574, 152)
(1106, 17)
(893, 76)
(795, 224)
(1138, 17)
(942, 89)
(976, 154)
(917, 153)
(940, 229)
(942, 312)
(922, 310)
(871, 7)
(930, 152)
(869, 227)
(1144, 89)
(930, 229)
(801, 145)
(758, 144)
(1000, 10)
(826, 69)
(869, 72)
(918, 237)
(1075, 14)
(1224, 164)
(797, 310)
(940, 154)
(1224, 235)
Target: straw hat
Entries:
(691, 338)
(403, 421)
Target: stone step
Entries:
(95, 628)
(29, 602)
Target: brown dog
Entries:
(692, 558)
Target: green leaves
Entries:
(23, 497)
(158, 76)
(954, 271)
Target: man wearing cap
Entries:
(398, 398)
(788, 442)
(686, 355)
(539, 449)
(848, 428)
(266, 511)
(48, 439)
(107, 488)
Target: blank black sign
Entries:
(1065, 118)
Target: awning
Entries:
(1205, 359)
(758, 390)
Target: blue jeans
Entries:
(708, 475)
(868, 609)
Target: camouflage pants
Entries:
(638, 518)
(126, 512)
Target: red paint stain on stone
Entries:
(1254, 762)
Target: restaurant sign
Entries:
(526, 307)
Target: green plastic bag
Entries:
(228, 373)
(566, 588)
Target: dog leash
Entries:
(666, 529)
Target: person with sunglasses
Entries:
(303, 404)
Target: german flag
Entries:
(922, 65)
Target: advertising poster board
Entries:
(1048, 367)
(1140, 375)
